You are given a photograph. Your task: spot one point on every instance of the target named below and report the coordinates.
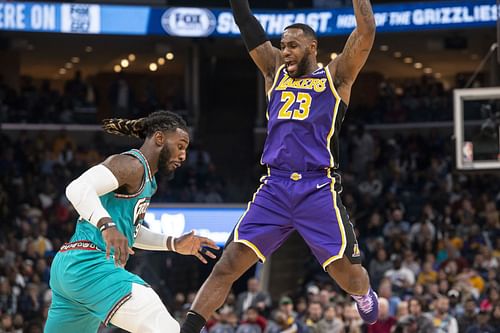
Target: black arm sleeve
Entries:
(251, 31)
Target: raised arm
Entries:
(346, 67)
(266, 57)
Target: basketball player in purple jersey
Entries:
(306, 107)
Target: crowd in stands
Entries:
(79, 100)
(415, 100)
(44, 104)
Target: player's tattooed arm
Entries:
(348, 64)
(128, 170)
(268, 59)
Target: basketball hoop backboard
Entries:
(477, 128)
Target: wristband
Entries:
(107, 226)
(171, 243)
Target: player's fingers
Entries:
(209, 243)
(207, 253)
(117, 256)
(123, 253)
(130, 251)
(108, 250)
(200, 257)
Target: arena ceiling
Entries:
(446, 52)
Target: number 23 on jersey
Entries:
(289, 99)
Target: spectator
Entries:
(396, 226)
(482, 325)
(378, 266)
(330, 323)
(401, 278)
(423, 322)
(286, 307)
(252, 322)
(443, 321)
(254, 296)
(427, 275)
(352, 321)
(227, 322)
(385, 291)
(314, 315)
(469, 317)
(385, 322)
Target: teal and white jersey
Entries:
(127, 211)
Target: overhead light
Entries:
(418, 65)
(153, 67)
(397, 54)
(117, 68)
(161, 61)
(408, 60)
(75, 60)
(88, 49)
(428, 70)
(438, 75)
(68, 65)
(124, 63)
(384, 48)
(169, 56)
(320, 64)
(62, 71)
(131, 57)
(333, 55)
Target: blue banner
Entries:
(202, 22)
(215, 223)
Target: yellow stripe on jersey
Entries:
(276, 76)
(334, 118)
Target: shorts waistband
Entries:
(298, 175)
(79, 245)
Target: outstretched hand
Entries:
(190, 244)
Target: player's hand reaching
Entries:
(116, 240)
(190, 244)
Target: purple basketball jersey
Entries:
(304, 119)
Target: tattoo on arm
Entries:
(365, 10)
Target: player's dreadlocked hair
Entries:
(145, 127)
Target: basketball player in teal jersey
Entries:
(306, 108)
(87, 286)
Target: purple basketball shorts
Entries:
(307, 202)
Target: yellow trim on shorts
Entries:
(244, 241)
(335, 112)
(339, 221)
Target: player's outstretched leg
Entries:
(144, 312)
(354, 279)
(236, 260)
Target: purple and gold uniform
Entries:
(300, 191)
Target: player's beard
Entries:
(163, 164)
(302, 66)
